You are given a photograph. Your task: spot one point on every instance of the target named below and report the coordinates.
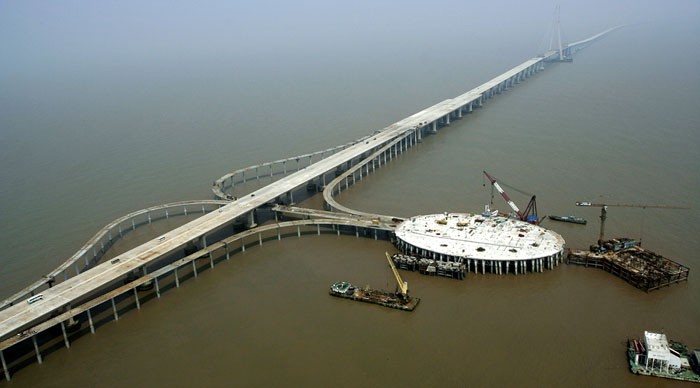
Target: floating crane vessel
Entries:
(397, 300)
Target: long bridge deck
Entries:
(23, 315)
(18, 317)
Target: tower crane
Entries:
(604, 211)
(530, 213)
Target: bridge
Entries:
(50, 301)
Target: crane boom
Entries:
(604, 211)
(504, 195)
(403, 286)
(630, 205)
(530, 213)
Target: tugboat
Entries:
(571, 219)
(397, 300)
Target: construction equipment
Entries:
(402, 290)
(530, 213)
(604, 212)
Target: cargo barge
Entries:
(655, 355)
(622, 257)
(570, 219)
(397, 300)
(386, 299)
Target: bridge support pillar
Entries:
(136, 297)
(92, 325)
(114, 309)
(4, 366)
(434, 128)
(65, 335)
(157, 286)
(36, 349)
(447, 119)
(251, 219)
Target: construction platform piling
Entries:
(641, 268)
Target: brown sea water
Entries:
(620, 122)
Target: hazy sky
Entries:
(43, 37)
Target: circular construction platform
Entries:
(499, 243)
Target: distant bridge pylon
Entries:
(556, 51)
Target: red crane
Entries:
(530, 213)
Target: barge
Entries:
(450, 269)
(397, 300)
(655, 355)
(570, 219)
(368, 295)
